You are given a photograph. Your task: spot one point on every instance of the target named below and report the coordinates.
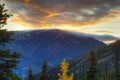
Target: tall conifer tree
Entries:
(92, 72)
(30, 75)
(8, 61)
(44, 74)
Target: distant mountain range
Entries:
(105, 56)
(52, 45)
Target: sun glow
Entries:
(15, 27)
(62, 27)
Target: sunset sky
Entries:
(97, 17)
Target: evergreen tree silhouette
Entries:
(44, 74)
(30, 75)
(8, 61)
(92, 71)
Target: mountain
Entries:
(105, 56)
(52, 45)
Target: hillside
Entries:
(52, 45)
(105, 56)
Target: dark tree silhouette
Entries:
(92, 72)
(30, 75)
(5, 36)
(8, 61)
(44, 74)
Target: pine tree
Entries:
(64, 68)
(44, 74)
(117, 63)
(8, 61)
(5, 36)
(92, 72)
(30, 75)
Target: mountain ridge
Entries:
(53, 45)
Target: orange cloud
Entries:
(16, 20)
(19, 21)
(40, 8)
(50, 15)
(26, 1)
(69, 26)
(36, 7)
(65, 26)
